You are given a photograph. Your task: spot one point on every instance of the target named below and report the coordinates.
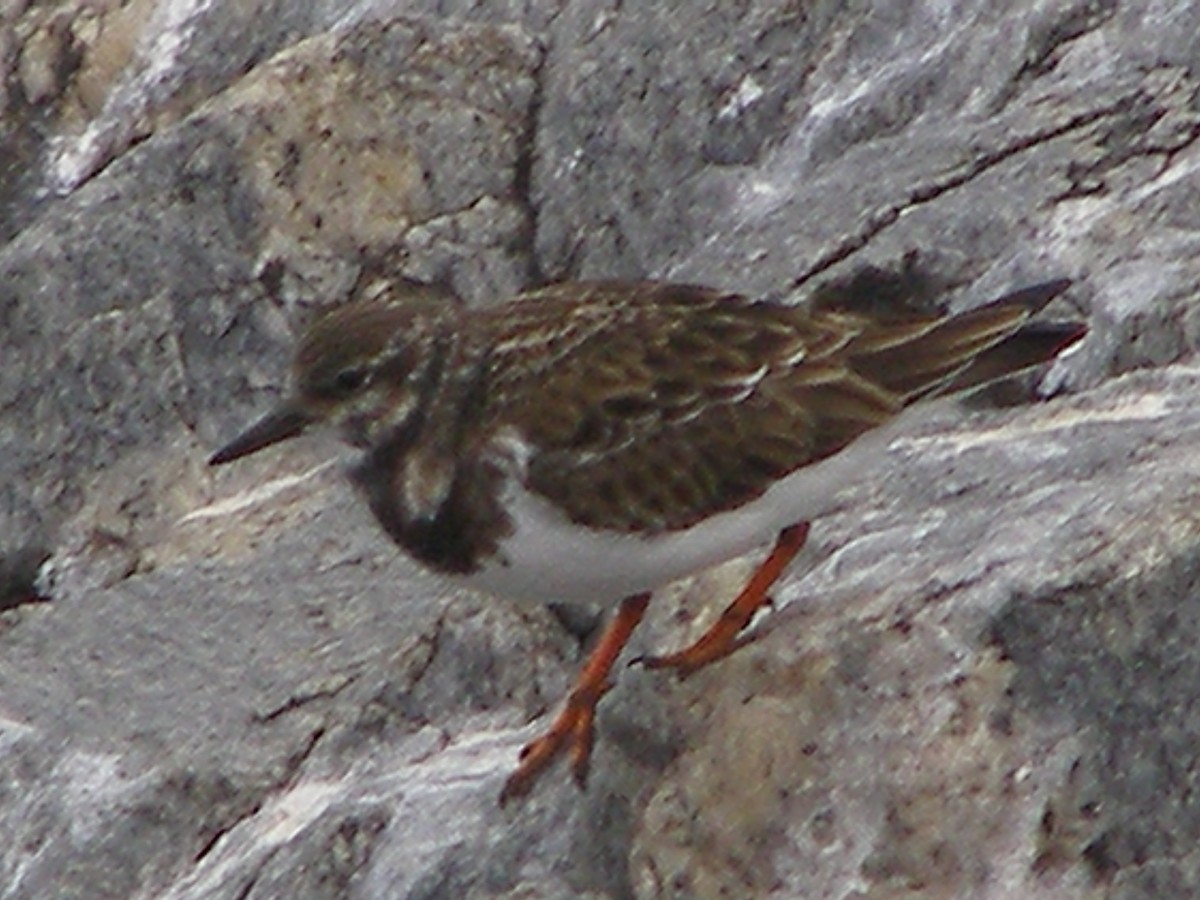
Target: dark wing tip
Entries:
(1036, 296)
(1032, 345)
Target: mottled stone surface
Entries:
(1002, 703)
(977, 681)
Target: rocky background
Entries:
(980, 681)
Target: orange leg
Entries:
(722, 638)
(572, 730)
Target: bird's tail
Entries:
(972, 349)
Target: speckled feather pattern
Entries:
(649, 407)
(626, 408)
(590, 442)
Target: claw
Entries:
(573, 729)
(725, 635)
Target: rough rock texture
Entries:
(977, 682)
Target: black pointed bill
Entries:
(285, 422)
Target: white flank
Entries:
(550, 559)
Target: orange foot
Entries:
(572, 730)
(723, 637)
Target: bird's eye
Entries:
(348, 381)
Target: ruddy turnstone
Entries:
(593, 441)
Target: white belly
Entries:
(548, 558)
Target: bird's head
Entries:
(362, 368)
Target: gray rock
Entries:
(978, 679)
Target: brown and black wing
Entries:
(923, 356)
(651, 406)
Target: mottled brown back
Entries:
(658, 405)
